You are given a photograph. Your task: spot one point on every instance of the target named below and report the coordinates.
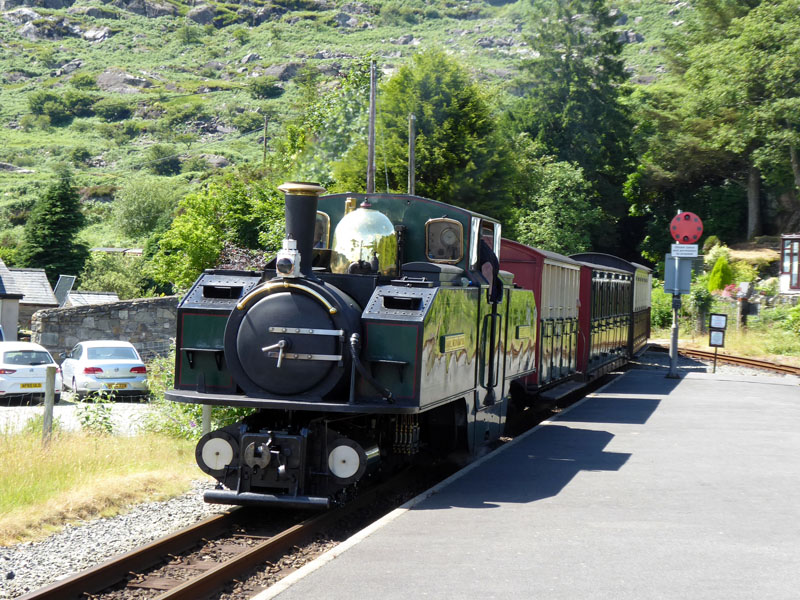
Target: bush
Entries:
(112, 109)
(182, 113)
(661, 310)
(263, 88)
(37, 100)
(143, 205)
(792, 322)
(163, 160)
(78, 103)
(189, 35)
(174, 418)
(743, 271)
(710, 242)
(94, 415)
(248, 121)
(195, 164)
(79, 155)
(83, 81)
(241, 35)
(56, 112)
(721, 274)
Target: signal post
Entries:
(685, 229)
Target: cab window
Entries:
(444, 241)
(322, 230)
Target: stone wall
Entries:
(148, 323)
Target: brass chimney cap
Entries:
(301, 188)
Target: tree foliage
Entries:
(124, 275)
(50, 241)
(239, 207)
(460, 157)
(553, 207)
(572, 105)
(143, 205)
(721, 274)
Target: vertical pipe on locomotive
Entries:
(301, 212)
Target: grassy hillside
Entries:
(121, 82)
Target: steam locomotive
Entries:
(389, 328)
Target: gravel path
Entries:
(127, 417)
(32, 565)
(29, 566)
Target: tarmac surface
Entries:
(649, 488)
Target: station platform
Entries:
(648, 488)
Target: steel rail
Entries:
(115, 569)
(737, 360)
(212, 580)
(137, 561)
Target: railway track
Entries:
(200, 560)
(735, 360)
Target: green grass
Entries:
(177, 70)
(79, 476)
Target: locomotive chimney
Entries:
(301, 215)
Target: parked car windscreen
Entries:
(110, 353)
(26, 357)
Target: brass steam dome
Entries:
(363, 240)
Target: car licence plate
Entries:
(30, 385)
(117, 386)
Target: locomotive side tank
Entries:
(378, 334)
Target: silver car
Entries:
(104, 366)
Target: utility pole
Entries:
(371, 143)
(412, 140)
(264, 160)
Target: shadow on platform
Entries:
(538, 467)
(635, 411)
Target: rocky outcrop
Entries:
(96, 12)
(6, 5)
(146, 9)
(268, 13)
(18, 16)
(69, 67)
(50, 28)
(494, 42)
(283, 72)
(96, 34)
(113, 80)
(630, 37)
(202, 15)
(344, 20)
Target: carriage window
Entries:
(444, 241)
(322, 231)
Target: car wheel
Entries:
(57, 399)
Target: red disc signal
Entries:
(686, 228)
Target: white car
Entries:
(104, 366)
(23, 371)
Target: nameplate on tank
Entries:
(453, 342)
(523, 332)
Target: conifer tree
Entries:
(50, 241)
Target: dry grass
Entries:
(781, 347)
(82, 477)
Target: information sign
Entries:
(684, 250)
(716, 338)
(718, 321)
